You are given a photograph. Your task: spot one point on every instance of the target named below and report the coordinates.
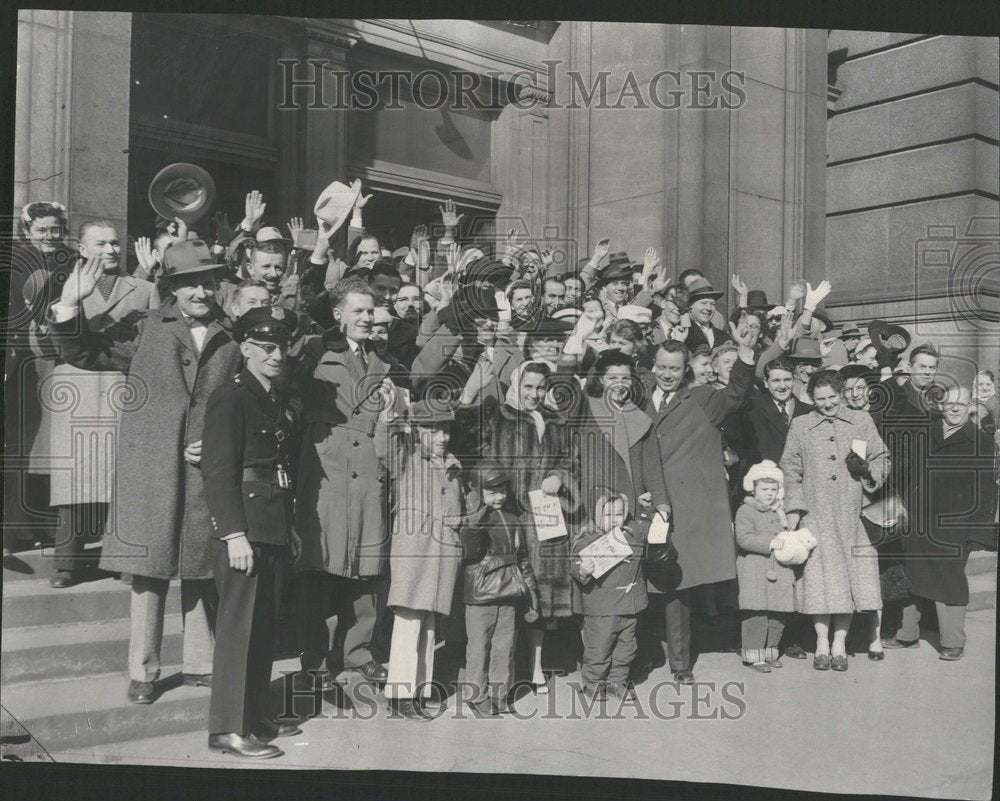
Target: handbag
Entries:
(653, 553)
(494, 579)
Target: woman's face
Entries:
(486, 331)
(671, 311)
(803, 370)
(574, 288)
(626, 346)
(46, 233)
(856, 393)
(593, 310)
(752, 322)
(532, 390)
(520, 302)
(724, 365)
(766, 492)
(701, 369)
(617, 381)
(985, 387)
(827, 401)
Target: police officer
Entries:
(246, 469)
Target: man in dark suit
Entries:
(246, 464)
(701, 302)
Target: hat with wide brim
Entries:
(550, 328)
(851, 331)
(271, 234)
(823, 318)
(425, 413)
(757, 300)
(699, 289)
(485, 268)
(614, 272)
(889, 338)
(182, 190)
(190, 256)
(637, 314)
(336, 202)
(805, 349)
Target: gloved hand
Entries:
(857, 466)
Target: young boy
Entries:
(612, 602)
(494, 534)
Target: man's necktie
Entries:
(784, 412)
(106, 285)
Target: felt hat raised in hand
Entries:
(336, 202)
(182, 190)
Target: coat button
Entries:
(185, 361)
(833, 458)
(833, 439)
(833, 478)
(356, 443)
(251, 495)
(354, 475)
(194, 401)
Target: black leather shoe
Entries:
(141, 692)
(275, 728)
(198, 680)
(951, 654)
(374, 672)
(409, 708)
(876, 656)
(796, 652)
(839, 663)
(62, 580)
(248, 747)
(894, 643)
(821, 661)
(684, 677)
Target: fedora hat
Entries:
(888, 338)
(637, 314)
(182, 190)
(850, 331)
(616, 270)
(425, 413)
(823, 318)
(271, 234)
(805, 349)
(191, 256)
(336, 202)
(699, 289)
(757, 300)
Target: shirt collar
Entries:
(840, 415)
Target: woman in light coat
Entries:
(832, 456)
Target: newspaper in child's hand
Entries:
(606, 552)
(860, 447)
(548, 516)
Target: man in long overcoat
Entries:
(952, 498)
(79, 432)
(160, 528)
(686, 420)
(341, 496)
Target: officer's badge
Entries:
(277, 313)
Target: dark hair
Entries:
(159, 238)
(781, 363)
(520, 283)
(41, 208)
(704, 349)
(471, 302)
(268, 246)
(249, 283)
(626, 329)
(384, 266)
(609, 358)
(352, 253)
(825, 378)
(925, 349)
(539, 368)
(673, 346)
(740, 311)
(680, 297)
(688, 273)
(347, 286)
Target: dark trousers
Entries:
(354, 603)
(609, 646)
(668, 617)
(951, 621)
(798, 631)
(489, 652)
(244, 638)
(79, 524)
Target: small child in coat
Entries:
(766, 586)
(611, 602)
(493, 539)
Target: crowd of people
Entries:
(479, 436)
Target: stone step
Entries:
(981, 562)
(35, 603)
(982, 591)
(36, 563)
(75, 713)
(65, 650)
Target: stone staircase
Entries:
(64, 652)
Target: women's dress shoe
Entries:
(821, 661)
(876, 656)
(951, 654)
(796, 652)
(62, 579)
(543, 688)
(374, 672)
(197, 679)
(248, 747)
(775, 663)
(141, 692)
(760, 667)
(894, 643)
(275, 728)
(684, 677)
(839, 663)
